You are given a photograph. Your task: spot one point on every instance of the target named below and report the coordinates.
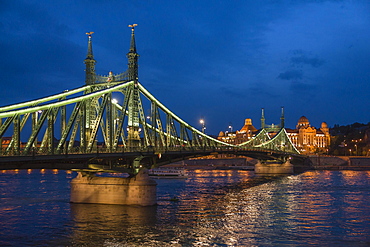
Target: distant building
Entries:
(308, 139)
(5, 141)
(239, 136)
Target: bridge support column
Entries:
(273, 168)
(138, 190)
(133, 138)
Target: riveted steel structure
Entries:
(107, 115)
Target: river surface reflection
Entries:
(214, 208)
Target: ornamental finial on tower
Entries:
(132, 26)
(89, 47)
(133, 44)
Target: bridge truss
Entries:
(88, 118)
(279, 141)
(112, 114)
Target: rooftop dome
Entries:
(248, 126)
(324, 125)
(303, 122)
(303, 119)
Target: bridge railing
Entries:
(188, 151)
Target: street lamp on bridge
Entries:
(201, 121)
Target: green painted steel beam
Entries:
(179, 120)
(65, 102)
(43, 100)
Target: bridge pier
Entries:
(274, 168)
(137, 190)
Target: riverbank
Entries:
(356, 163)
(334, 163)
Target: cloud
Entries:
(300, 86)
(304, 60)
(233, 92)
(303, 92)
(291, 75)
(299, 60)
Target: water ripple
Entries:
(215, 208)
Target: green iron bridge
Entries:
(87, 128)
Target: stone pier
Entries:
(138, 190)
(274, 168)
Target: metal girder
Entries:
(176, 118)
(142, 120)
(12, 141)
(153, 119)
(160, 129)
(82, 116)
(281, 142)
(35, 131)
(99, 117)
(16, 135)
(119, 132)
(260, 138)
(168, 131)
(51, 133)
(63, 125)
(68, 127)
(73, 134)
(52, 113)
(6, 125)
(109, 124)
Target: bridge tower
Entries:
(133, 135)
(282, 118)
(263, 119)
(88, 114)
(90, 62)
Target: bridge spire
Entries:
(263, 119)
(89, 110)
(132, 56)
(89, 62)
(133, 132)
(282, 118)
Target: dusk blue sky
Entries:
(220, 60)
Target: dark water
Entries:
(215, 208)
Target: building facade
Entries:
(239, 136)
(306, 138)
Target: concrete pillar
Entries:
(138, 190)
(272, 168)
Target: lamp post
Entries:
(230, 128)
(114, 115)
(203, 125)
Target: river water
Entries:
(215, 208)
